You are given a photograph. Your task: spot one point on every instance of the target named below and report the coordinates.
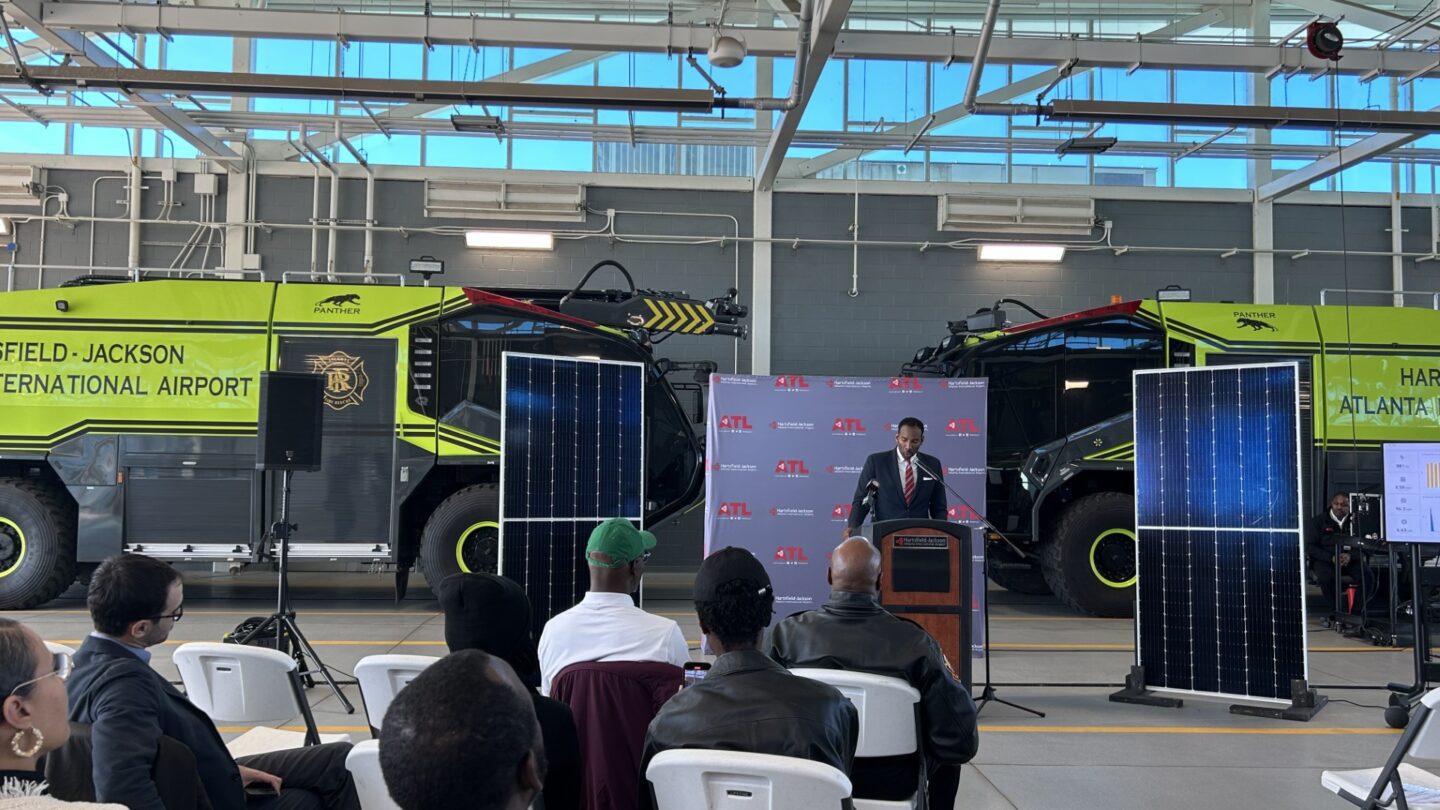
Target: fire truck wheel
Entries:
(462, 535)
(1089, 561)
(37, 543)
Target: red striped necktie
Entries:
(909, 481)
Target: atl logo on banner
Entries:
(791, 468)
(962, 513)
(791, 382)
(905, 385)
(791, 555)
(737, 423)
(962, 427)
(841, 512)
(733, 510)
(847, 426)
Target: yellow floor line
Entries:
(999, 729)
(1300, 732)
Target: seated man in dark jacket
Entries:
(134, 604)
(747, 702)
(853, 632)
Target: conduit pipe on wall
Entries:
(331, 237)
(369, 260)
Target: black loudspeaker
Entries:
(291, 421)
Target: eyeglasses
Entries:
(176, 616)
(645, 556)
(60, 669)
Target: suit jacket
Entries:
(1324, 535)
(129, 707)
(889, 502)
(69, 770)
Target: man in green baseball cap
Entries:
(606, 625)
(616, 544)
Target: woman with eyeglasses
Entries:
(33, 717)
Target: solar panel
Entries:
(1220, 597)
(572, 455)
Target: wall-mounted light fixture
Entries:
(1021, 252)
(510, 240)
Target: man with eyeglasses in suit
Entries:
(135, 602)
(606, 625)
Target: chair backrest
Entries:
(363, 763)
(56, 647)
(236, 683)
(886, 707)
(694, 779)
(382, 677)
(1426, 745)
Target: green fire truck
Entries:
(1061, 484)
(128, 417)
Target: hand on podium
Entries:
(846, 532)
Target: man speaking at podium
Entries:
(900, 484)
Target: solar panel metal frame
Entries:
(505, 358)
(1298, 531)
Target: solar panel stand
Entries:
(1136, 692)
(1305, 703)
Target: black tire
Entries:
(1029, 581)
(462, 535)
(1089, 560)
(37, 543)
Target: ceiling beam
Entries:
(660, 38)
(1336, 162)
(190, 82)
(30, 13)
(1373, 18)
(810, 167)
(824, 30)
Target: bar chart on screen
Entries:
(1412, 492)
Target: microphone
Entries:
(870, 490)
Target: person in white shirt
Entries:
(606, 625)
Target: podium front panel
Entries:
(925, 577)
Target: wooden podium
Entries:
(925, 577)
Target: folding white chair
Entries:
(237, 683)
(1378, 787)
(363, 763)
(382, 677)
(695, 779)
(56, 648)
(888, 722)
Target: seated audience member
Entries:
(463, 736)
(747, 702)
(33, 719)
(490, 613)
(852, 631)
(606, 625)
(135, 602)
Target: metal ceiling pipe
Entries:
(797, 82)
(982, 52)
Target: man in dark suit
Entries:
(902, 489)
(1328, 545)
(134, 604)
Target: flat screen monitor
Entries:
(1412, 492)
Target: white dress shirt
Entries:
(608, 627)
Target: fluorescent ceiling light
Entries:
(476, 123)
(4, 226)
(511, 240)
(1076, 385)
(1021, 252)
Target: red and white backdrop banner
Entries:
(784, 455)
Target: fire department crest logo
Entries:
(345, 378)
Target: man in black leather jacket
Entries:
(747, 702)
(852, 631)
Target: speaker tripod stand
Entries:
(987, 695)
(287, 632)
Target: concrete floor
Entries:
(1086, 751)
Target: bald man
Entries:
(851, 631)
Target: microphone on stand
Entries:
(870, 490)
